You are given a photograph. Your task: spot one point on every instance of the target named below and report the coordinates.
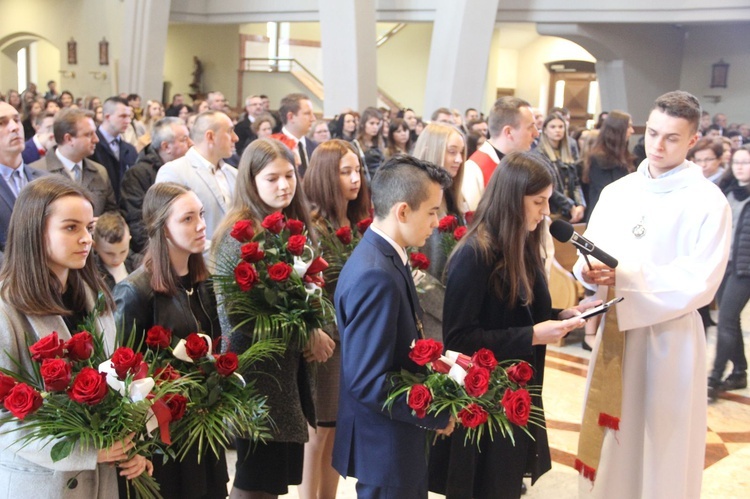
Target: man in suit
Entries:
(253, 109)
(203, 168)
(297, 116)
(42, 141)
(15, 174)
(170, 140)
(112, 152)
(75, 135)
(377, 310)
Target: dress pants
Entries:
(734, 294)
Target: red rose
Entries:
(159, 337)
(80, 346)
(520, 373)
(344, 234)
(48, 347)
(226, 364)
(419, 260)
(362, 225)
(296, 244)
(56, 374)
(245, 275)
(517, 406)
(469, 217)
(419, 399)
(177, 404)
(317, 265)
(22, 400)
(274, 222)
(243, 231)
(125, 359)
(459, 233)
(477, 381)
(424, 351)
(89, 387)
(472, 416)
(196, 346)
(252, 253)
(448, 223)
(167, 373)
(295, 226)
(280, 271)
(484, 358)
(6, 385)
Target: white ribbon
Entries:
(138, 389)
(300, 265)
(458, 374)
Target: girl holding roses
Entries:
(171, 289)
(267, 190)
(49, 283)
(337, 190)
(508, 311)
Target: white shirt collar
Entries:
(295, 139)
(401, 251)
(68, 164)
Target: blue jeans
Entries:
(734, 294)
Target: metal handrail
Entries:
(281, 59)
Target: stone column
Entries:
(349, 58)
(144, 42)
(459, 54)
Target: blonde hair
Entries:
(431, 146)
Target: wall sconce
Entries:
(67, 74)
(719, 72)
(98, 75)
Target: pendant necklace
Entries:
(640, 230)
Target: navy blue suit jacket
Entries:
(116, 167)
(8, 199)
(30, 152)
(377, 326)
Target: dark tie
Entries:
(302, 157)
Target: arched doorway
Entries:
(573, 85)
(25, 58)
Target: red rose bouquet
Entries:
(484, 395)
(276, 280)
(78, 396)
(450, 232)
(219, 405)
(337, 246)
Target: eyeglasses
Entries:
(704, 160)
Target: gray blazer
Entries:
(94, 177)
(189, 171)
(28, 471)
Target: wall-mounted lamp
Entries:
(98, 75)
(719, 72)
(67, 74)
(714, 99)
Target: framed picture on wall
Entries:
(104, 52)
(72, 52)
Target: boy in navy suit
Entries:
(379, 317)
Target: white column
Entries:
(349, 58)
(459, 54)
(144, 42)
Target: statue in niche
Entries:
(197, 85)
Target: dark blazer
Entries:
(474, 318)
(30, 152)
(245, 135)
(135, 183)
(8, 199)
(373, 299)
(115, 167)
(93, 177)
(601, 174)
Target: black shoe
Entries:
(735, 381)
(714, 388)
(523, 485)
(585, 345)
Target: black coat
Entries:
(115, 167)
(474, 318)
(740, 262)
(601, 174)
(135, 183)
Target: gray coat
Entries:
(29, 471)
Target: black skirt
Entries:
(269, 467)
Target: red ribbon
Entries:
(163, 417)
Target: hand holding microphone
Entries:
(597, 273)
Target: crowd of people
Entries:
(137, 201)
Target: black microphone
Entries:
(564, 232)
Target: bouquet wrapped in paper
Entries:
(484, 395)
(276, 281)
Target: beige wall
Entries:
(55, 21)
(217, 47)
(402, 65)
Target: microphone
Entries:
(564, 232)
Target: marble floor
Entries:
(727, 465)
